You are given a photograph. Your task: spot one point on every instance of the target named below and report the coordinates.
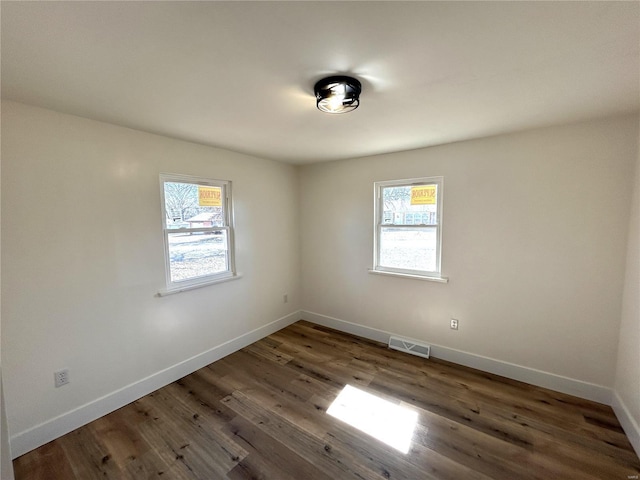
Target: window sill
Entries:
(193, 286)
(409, 275)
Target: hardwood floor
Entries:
(260, 413)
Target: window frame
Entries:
(228, 226)
(435, 275)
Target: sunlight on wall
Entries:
(384, 420)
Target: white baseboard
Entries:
(629, 424)
(45, 432)
(558, 383)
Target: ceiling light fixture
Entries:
(337, 94)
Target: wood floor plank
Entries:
(48, 461)
(121, 441)
(88, 456)
(202, 449)
(170, 449)
(490, 455)
(260, 413)
(145, 468)
(318, 452)
(268, 458)
(268, 352)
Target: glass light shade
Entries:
(338, 94)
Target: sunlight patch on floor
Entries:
(388, 422)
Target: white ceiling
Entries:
(240, 75)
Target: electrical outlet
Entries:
(61, 377)
(454, 324)
(285, 298)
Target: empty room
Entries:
(320, 240)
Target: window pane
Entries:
(189, 205)
(410, 205)
(193, 255)
(408, 248)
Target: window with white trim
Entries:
(198, 230)
(408, 227)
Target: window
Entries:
(408, 221)
(198, 234)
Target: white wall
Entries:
(534, 235)
(627, 380)
(82, 260)
(6, 466)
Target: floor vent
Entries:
(409, 346)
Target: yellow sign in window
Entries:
(423, 195)
(210, 196)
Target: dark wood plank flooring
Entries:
(260, 413)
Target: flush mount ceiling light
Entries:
(337, 94)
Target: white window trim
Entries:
(198, 282)
(163, 292)
(410, 275)
(436, 275)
